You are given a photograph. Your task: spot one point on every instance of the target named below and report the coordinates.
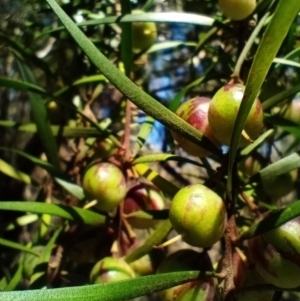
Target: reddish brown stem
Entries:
(228, 264)
(126, 140)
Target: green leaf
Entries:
(16, 246)
(20, 85)
(273, 37)
(65, 131)
(15, 280)
(16, 174)
(169, 45)
(165, 17)
(67, 212)
(41, 120)
(59, 177)
(90, 79)
(164, 185)
(39, 277)
(164, 157)
(175, 102)
(142, 136)
(275, 219)
(115, 291)
(128, 88)
(22, 221)
(274, 100)
(250, 148)
(286, 62)
(280, 167)
(159, 234)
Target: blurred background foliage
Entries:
(41, 63)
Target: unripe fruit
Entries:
(199, 215)
(110, 269)
(291, 111)
(144, 34)
(194, 112)
(204, 289)
(105, 183)
(276, 255)
(140, 198)
(237, 9)
(223, 111)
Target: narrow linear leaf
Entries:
(115, 291)
(128, 88)
(39, 277)
(65, 131)
(286, 62)
(16, 246)
(274, 100)
(280, 167)
(16, 174)
(169, 45)
(70, 213)
(15, 280)
(175, 102)
(142, 136)
(273, 37)
(22, 221)
(58, 176)
(40, 117)
(165, 17)
(164, 157)
(90, 79)
(275, 219)
(166, 187)
(159, 234)
(250, 148)
(20, 85)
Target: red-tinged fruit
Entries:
(194, 112)
(237, 9)
(199, 215)
(204, 289)
(105, 183)
(140, 198)
(110, 269)
(276, 255)
(223, 111)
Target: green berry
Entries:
(199, 215)
(223, 111)
(105, 183)
(237, 9)
(111, 269)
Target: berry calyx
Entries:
(276, 255)
(194, 111)
(105, 183)
(237, 9)
(223, 111)
(110, 269)
(199, 215)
